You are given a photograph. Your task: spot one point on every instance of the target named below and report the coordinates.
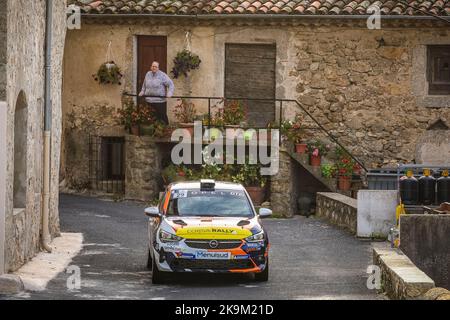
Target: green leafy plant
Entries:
(184, 62)
(250, 176)
(185, 112)
(109, 73)
(174, 173)
(328, 170)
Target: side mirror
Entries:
(264, 213)
(152, 212)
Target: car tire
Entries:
(149, 261)
(157, 276)
(263, 276)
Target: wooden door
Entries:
(250, 73)
(150, 48)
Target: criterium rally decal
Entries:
(213, 233)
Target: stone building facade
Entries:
(369, 88)
(22, 61)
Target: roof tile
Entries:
(294, 7)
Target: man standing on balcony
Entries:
(157, 83)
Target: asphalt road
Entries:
(309, 260)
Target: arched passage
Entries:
(20, 151)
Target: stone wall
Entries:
(400, 278)
(282, 185)
(338, 209)
(25, 78)
(425, 240)
(143, 168)
(3, 50)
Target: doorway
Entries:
(149, 49)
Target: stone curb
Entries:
(400, 278)
(437, 294)
(11, 284)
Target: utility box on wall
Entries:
(376, 212)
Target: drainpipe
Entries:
(47, 130)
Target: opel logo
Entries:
(213, 244)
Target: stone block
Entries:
(376, 212)
(400, 278)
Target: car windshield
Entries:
(218, 203)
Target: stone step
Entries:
(303, 160)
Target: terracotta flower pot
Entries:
(301, 148)
(315, 160)
(257, 195)
(188, 128)
(345, 183)
(135, 130)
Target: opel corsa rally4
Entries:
(207, 227)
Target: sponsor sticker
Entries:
(212, 255)
(170, 248)
(241, 256)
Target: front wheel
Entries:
(157, 276)
(263, 276)
(149, 260)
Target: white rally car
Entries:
(207, 227)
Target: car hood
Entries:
(214, 227)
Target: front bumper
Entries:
(237, 256)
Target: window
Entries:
(438, 70)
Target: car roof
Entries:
(220, 185)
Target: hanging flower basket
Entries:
(184, 62)
(109, 73)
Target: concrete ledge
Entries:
(45, 266)
(400, 278)
(337, 209)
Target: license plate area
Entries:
(213, 255)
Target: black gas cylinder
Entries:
(427, 188)
(443, 188)
(409, 189)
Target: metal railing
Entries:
(281, 102)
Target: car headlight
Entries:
(168, 237)
(255, 237)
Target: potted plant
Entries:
(250, 176)
(129, 117)
(344, 168)
(296, 133)
(233, 113)
(109, 73)
(328, 170)
(185, 114)
(184, 62)
(317, 149)
(175, 173)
